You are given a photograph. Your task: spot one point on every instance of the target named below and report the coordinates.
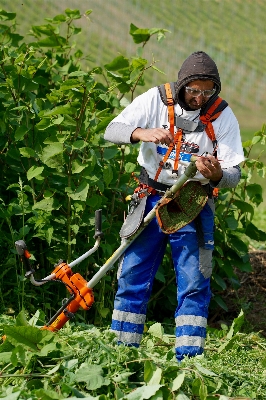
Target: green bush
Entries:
(56, 169)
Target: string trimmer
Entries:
(81, 290)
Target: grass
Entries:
(84, 361)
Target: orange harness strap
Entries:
(178, 142)
(208, 117)
(161, 164)
(177, 137)
(171, 109)
(205, 119)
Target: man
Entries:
(146, 120)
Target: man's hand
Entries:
(210, 168)
(154, 135)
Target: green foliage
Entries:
(234, 227)
(81, 361)
(57, 170)
(143, 35)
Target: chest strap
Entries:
(210, 113)
(207, 119)
(177, 138)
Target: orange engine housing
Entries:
(76, 285)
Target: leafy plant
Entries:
(56, 167)
(82, 361)
(234, 215)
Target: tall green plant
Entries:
(56, 167)
(234, 215)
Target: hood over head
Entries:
(197, 66)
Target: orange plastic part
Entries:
(76, 284)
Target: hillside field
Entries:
(232, 32)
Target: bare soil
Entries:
(250, 297)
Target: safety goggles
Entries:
(197, 92)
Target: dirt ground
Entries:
(250, 297)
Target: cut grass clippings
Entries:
(82, 361)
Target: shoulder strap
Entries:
(216, 105)
(210, 113)
(162, 92)
(170, 105)
(168, 99)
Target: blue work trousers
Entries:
(193, 266)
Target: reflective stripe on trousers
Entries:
(192, 266)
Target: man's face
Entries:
(196, 99)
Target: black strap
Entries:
(220, 107)
(161, 187)
(162, 92)
(157, 185)
(199, 231)
(144, 178)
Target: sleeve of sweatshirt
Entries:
(135, 115)
(119, 133)
(231, 177)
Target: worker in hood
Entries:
(173, 122)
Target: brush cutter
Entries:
(81, 290)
